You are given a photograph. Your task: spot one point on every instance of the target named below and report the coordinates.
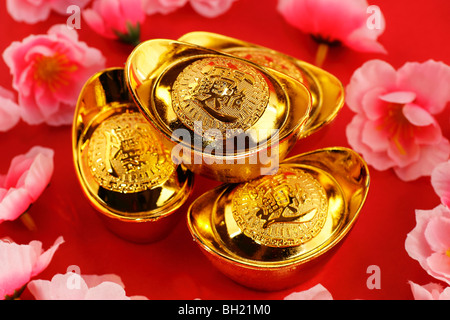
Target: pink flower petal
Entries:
(375, 137)
(417, 115)
(372, 74)
(73, 286)
(365, 39)
(69, 286)
(416, 245)
(429, 80)
(110, 16)
(421, 244)
(162, 6)
(439, 266)
(403, 150)
(107, 291)
(21, 262)
(9, 110)
(211, 8)
(431, 291)
(318, 292)
(44, 95)
(378, 160)
(401, 97)
(437, 234)
(27, 178)
(334, 20)
(430, 156)
(27, 11)
(372, 106)
(440, 180)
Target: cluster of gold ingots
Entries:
(179, 109)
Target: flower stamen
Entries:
(397, 125)
(53, 71)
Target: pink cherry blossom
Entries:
(162, 6)
(318, 292)
(9, 110)
(73, 286)
(27, 177)
(211, 8)
(116, 19)
(431, 291)
(440, 180)
(49, 71)
(429, 242)
(20, 263)
(335, 21)
(394, 126)
(32, 11)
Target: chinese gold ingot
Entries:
(220, 115)
(326, 90)
(123, 169)
(271, 232)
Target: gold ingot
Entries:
(222, 116)
(274, 232)
(123, 169)
(326, 90)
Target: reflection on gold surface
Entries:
(326, 90)
(218, 108)
(122, 167)
(272, 227)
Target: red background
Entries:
(174, 268)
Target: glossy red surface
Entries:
(174, 268)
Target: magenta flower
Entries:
(162, 6)
(440, 180)
(431, 291)
(32, 11)
(73, 286)
(48, 73)
(211, 8)
(334, 22)
(116, 19)
(394, 125)
(429, 242)
(9, 110)
(27, 177)
(318, 292)
(20, 263)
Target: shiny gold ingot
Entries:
(219, 101)
(326, 90)
(122, 168)
(274, 232)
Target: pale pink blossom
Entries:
(49, 71)
(73, 286)
(318, 292)
(394, 126)
(162, 6)
(431, 291)
(211, 8)
(429, 242)
(9, 110)
(335, 22)
(116, 19)
(440, 180)
(27, 177)
(20, 263)
(32, 11)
